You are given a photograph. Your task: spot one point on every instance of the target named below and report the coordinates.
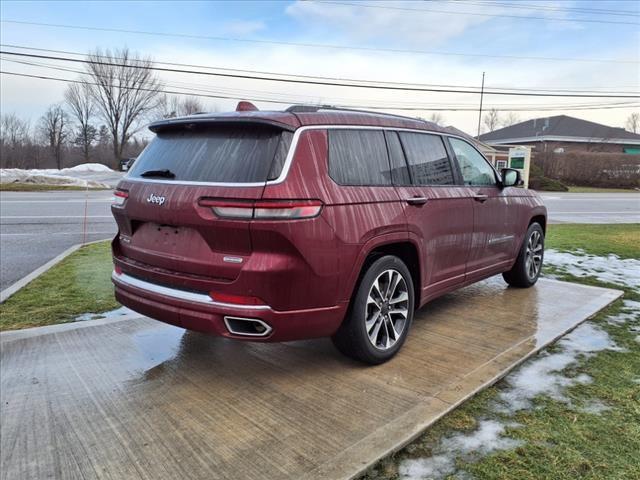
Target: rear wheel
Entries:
(380, 313)
(526, 270)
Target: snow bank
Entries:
(83, 175)
(88, 167)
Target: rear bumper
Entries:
(197, 311)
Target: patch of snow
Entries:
(610, 269)
(595, 407)
(488, 437)
(542, 375)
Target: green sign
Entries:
(517, 162)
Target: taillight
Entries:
(117, 269)
(287, 210)
(264, 209)
(119, 197)
(235, 299)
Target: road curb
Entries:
(15, 287)
(12, 335)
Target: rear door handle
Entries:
(417, 200)
(479, 197)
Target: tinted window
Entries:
(399, 169)
(358, 157)
(474, 168)
(221, 154)
(427, 159)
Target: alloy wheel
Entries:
(533, 260)
(387, 309)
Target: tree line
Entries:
(98, 120)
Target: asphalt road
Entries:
(37, 226)
(593, 207)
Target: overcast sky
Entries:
(476, 27)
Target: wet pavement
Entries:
(136, 398)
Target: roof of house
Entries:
(560, 128)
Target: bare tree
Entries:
(491, 120)
(633, 122)
(511, 119)
(437, 118)
(171, 106)
(54, 125)
(14, 137)
(126, 90)
(82, 106)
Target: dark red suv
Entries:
(314, 222)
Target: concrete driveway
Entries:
(140, 399)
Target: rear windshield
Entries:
(231, 154)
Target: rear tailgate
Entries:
(167, 228)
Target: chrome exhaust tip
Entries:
(247, 327)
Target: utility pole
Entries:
(480, 112)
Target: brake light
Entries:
(117, 269)
(235, 299)
(264, 209)
(287, 210)
(119, 197)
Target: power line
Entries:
(319, 82)
(316, 45)
(477, 14)
(240, 93)
(315, 77)
(173, 92)
(548, 8)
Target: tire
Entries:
(526, 270)
(362, 328)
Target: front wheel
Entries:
(526, 270)
(380, 313)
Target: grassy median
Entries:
(81, 283)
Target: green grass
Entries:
(621, 239)
(601, 190)
(558, 439)
(38, 187)
(81, 283)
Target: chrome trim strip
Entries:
(179, 294)
(267, 327)
(289, 158)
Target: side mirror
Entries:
(511, 177)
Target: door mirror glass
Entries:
(510, 177)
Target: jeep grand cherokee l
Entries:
(314, 222)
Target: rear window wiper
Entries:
(166, 173)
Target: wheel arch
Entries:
(405, 250)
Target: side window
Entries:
(358, 157)
(474, 168)
(399, 169)
(427, 159)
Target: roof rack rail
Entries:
(318, 108)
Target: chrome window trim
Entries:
(178, 294)
(289, 158)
